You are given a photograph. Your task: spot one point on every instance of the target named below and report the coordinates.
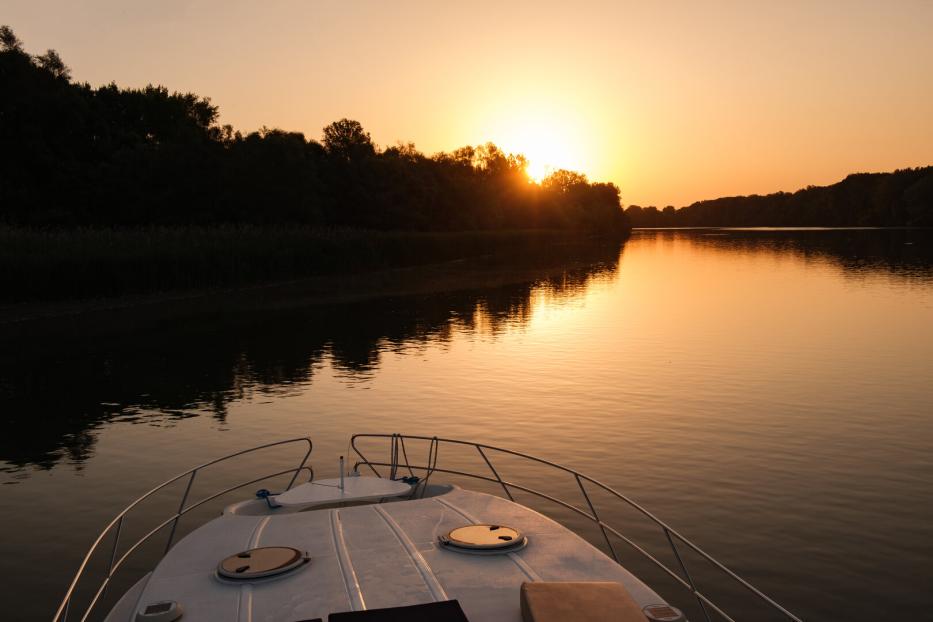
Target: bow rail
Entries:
(61, 614)
(398, 452)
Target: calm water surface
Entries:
(768, 393)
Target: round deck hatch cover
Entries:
(262, 562)
(485, 538)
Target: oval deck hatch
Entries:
(484, 538)
(265, 561)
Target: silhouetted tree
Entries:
(564, 181)
(9, 42)
(347, 139)
(53, 63)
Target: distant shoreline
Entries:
(778, 228)
(902, 198)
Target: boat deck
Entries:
(373, 556)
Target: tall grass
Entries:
(43, 265)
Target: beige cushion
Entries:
(590, 601)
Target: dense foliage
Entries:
(902, 198)
(74, 155)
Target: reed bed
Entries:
(76, 264)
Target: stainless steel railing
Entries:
(61, 615)
(398, 452)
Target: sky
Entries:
(674, 102)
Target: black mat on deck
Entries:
(444, 611)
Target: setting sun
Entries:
(549, 141)
(537, 171)
(545, 148)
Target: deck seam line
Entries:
(257, 532)
(246, 598)
(427, 575)
(245, 604)
(527, 570)
(350, 580)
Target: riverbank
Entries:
(158, 273)
(80, 264)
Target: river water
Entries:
(768, 393)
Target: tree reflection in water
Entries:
(58, 387)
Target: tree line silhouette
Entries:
(903, 198)
(75, 156)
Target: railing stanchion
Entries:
(683, 567)
(301, 466)
(596, 517)
(113, 551)
(363, 459)
(494, 472)
(116, 541)
(181, 506)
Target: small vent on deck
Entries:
(663, 613)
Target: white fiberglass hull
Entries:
(373, 556)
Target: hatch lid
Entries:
(484, 538)
(265, 561)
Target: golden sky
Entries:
(674, 102)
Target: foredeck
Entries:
(373, 556)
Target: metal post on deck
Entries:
(683, 567)
(495, 472)
(181, 506)
(116, 542)
(596, 518)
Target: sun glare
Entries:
(537, 170)
(548, 142)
